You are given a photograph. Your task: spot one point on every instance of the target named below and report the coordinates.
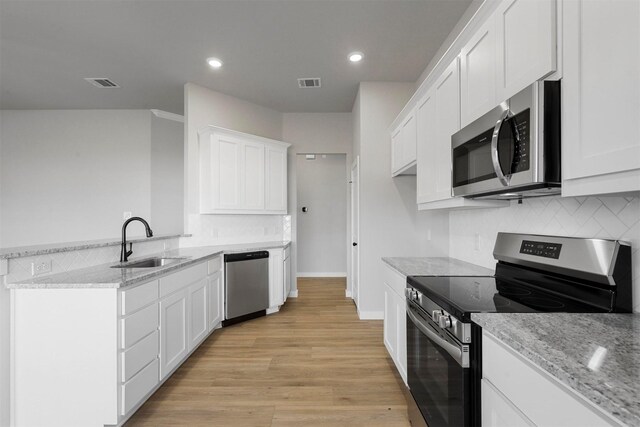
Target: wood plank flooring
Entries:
(312, 364)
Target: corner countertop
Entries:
(568, 346)
(435, 266)
(104, 276)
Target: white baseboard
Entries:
(371, 315)
(340, 274)
(347, 294)
(293, 294)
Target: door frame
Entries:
(354, 254)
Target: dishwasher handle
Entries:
(246, 256)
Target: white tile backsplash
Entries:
(226, 229)
(604, 217)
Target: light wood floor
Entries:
(312, 364)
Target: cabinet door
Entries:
(601, 95)
(287, 277)
(390, 324)
(253, 185)
(396, 150)
(173, 331)
(447, 97)
(409, 140)
(426, 142)
(401, 346)
(276, 278)
(276, 180)
(526, 37)
(478, 73)
(215, 300)
(198, 299)
(227, 172)
(497, 411)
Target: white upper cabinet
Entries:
(478, 73)
(427, 168)
(601, 97)
(403, 147)
(526, 43)
(241, 173)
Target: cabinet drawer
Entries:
(543, 400)
(139, 356)
(138, 297)
(214, 265)
(394, 280)
(138, 325)
(182, 279)
(138, 387)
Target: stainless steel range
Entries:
(533, 274)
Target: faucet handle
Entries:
(130, 251)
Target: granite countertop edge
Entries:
(435, 266)
(29, 251)
(73, 279)
(607, 404)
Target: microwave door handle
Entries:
(453, 350)
(495, 159)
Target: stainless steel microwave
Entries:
(513, 151)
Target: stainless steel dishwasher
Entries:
(246, 286)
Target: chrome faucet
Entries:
(124, 253)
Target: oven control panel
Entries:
(541, 249)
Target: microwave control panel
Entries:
(542, 249)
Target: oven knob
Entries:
(444, 321)
(435, 315)
(411, 294)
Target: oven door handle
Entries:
(495, 159)
(453, 350)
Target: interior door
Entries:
(355, 221)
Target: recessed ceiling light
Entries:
(214, 62)
(356, 56)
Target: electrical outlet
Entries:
(126, 215)
(428, 234)
(476, 241)
(42, 267)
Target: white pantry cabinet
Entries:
(403, 147)
(242, 173)
(544, 401)
(107, 350)
(395, 326)
(526, 44)
(601, 97)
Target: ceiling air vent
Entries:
(309, 82)
(101, 82)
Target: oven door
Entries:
(438, 372)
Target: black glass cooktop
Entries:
(462, 296)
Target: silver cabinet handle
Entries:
(453, 350)
(494, 147)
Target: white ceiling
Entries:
(151, 48)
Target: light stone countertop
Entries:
(103, 276)
(436, 266)
(564, 344)
(52, 248)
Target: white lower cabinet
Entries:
(99, 370)
(287, 274)
(276, 279)
(173, 331)
(395, 326)
(516, 392)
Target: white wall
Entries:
(68, 175)
(167, 176)
(322, 230)
(614, 217)
(389, 220)
(315, 133)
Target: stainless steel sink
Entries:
(149, 263)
